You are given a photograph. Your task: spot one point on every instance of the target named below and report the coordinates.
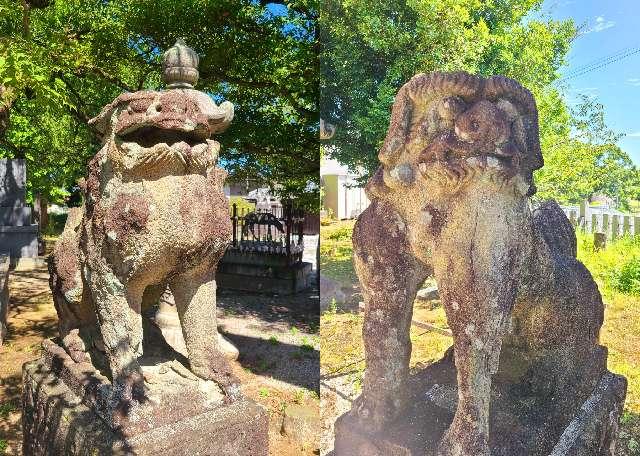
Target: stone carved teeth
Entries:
(493, 162)
(182, 147)
(477, 161)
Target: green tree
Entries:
(62, 63)
(581, 155)
(370, 49)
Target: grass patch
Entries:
(336, 252)
(273, 340)
(6, 409)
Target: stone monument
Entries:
(526, 374)
(154, 216)
(18, 236)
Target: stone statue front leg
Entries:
(476, 267)
(120, 320)
(195, 298)
(390, 277)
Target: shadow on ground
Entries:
(293, 364)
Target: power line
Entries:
(600, 60)
(605, 63)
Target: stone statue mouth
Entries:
(450, 151)
(149, 135)
(156, 143)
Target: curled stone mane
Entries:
(426, 114)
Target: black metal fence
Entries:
(277, 231)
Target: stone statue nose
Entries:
(154, 108)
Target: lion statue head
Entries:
(454, 137)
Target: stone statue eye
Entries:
(450, 107)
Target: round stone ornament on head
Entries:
(180, 66)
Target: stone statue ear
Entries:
(102, 122)
(220, 122)
(508, 108)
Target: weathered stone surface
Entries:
(302, 424)
(155, 216)
(66, 411)
(13, 178)
(451, 199)
(515, 429)
(4, 295)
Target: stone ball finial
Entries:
(180, 66)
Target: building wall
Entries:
(331, 193)
(341, 196)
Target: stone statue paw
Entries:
(463, 441)
(217, 368)
(129, 388)
(374, 415)
(75, 346)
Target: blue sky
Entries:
(609, 27)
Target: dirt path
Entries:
(277, 338)
(32, 318)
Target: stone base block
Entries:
(20, 241)
(15, 216)
(518, 429)
(264, 279)
(68, 410)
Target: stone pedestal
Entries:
(18, 236)
(262, 273)
(521, 423)
(68, 410)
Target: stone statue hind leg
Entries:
(390, 278)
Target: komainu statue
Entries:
(526, 374)
(154, 216)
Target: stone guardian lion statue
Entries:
(451, 199)
(154, 215)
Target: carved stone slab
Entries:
(67, 412)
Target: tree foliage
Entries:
(581, 156)
(370, 49)
(62, 63)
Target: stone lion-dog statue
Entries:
(154, 215)
(451, 199)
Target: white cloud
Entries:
(600, 25)
(635, 134)
(634, 82)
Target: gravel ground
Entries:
(336, 396)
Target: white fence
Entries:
(602, 219)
